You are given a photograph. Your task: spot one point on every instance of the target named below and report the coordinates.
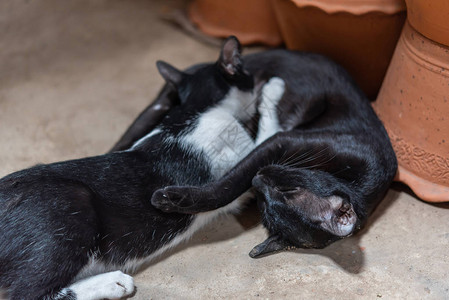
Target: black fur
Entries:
(54, 217)
(152, 115)
(334, 159)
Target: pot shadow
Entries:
(346, 253)
(401, 187)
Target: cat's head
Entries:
(300, 211)
(210, 83)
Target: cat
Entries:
(69, 230)
(319, 178)
(150, 117)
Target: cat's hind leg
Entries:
(48, 228)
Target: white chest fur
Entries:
(220, 135)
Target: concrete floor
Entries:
(73, 76)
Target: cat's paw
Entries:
(118, 285)
(171, 199)
(162, 201)
(112, 285)
(273, 90)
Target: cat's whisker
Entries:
(320, 164)
(316, 154)
(299, 160)
(283, 158)
(293, 157)
(339, 171)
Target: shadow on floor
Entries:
(346, 253)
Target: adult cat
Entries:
(320, 178)
(64, 223)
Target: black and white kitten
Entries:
(69, 229)
(317, 180)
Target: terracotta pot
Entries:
(360, 35)
(414, 106)
(430, 18)
(252, 21)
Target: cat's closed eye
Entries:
(286, 189)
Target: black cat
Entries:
(320, 178)
(63, 222)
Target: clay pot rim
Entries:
(424, 189)
(430, 19)
(271, 39)
(432, 61)
(354, 7)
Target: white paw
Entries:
(112, 285)
(118, 285)
(273, 90)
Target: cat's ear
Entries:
(230, 60)
(272, 244)
(170, 73)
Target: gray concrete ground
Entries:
(74, 74)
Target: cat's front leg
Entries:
(272, 93)
(185, 199)
(191, 199)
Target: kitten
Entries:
(69, 229)
(321, 176)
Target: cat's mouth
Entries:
(346, 213)
(345, 220)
